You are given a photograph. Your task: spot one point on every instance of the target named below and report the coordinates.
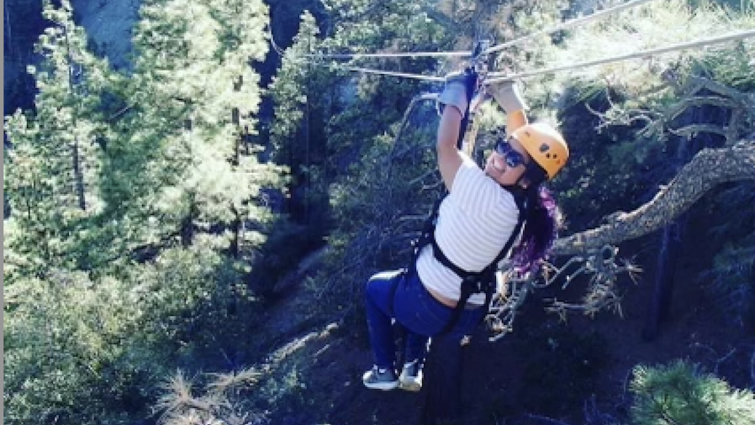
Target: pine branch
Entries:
(709, 168)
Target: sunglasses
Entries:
(512, 157)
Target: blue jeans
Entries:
(415, 309)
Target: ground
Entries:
(533, 375)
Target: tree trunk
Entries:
(673, 233)
(234, 249)
(663, 289)
(78, 176)
(442, 383)
(9, 40)
(187, 224)
(235, 161)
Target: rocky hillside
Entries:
(109, 24)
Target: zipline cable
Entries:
(494, 77)
(477, 55)
(390, 73)
(567, 24)
(390, 55)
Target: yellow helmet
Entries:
(545, 145)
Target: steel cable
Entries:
(494, 77)
(567, 24)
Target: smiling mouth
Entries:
(494, 170)
(498, 166)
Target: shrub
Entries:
(679, 393)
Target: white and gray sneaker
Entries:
(380, 379)
(411, 377)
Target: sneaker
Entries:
(380, 379)
(411, 377)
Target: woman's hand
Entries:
(508, 97)
(456, 91)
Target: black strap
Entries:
(471, 84)
(427, 234)
(477, 282)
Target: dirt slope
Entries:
(575, 372)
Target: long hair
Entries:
(542, 221)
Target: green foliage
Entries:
(681, 394)
(604, 166)
(133, 201)
(73, 353)
(623, 120)
(302, 105)
(51, 172)
(289, 89)
(381, 207)
(139, 201)
(196, 302)
(333, 130)
(72, 342)
(198, 105)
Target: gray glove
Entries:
(455, 91)
(507, 95)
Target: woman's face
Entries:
(499, 169)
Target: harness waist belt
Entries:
(448, 302)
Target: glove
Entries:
(456, 91)
(508, 97)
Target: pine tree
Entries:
(367, 187)
(132, 195)
(52, 170)
(185, 142)
(679, 393)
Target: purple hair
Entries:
(541, 225)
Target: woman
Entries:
(474, 223)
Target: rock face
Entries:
(22, 24)
(109, 24)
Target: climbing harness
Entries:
(483, 281)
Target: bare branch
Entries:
(682, 106)
(546, 419)
(709, 168)
(693, 129)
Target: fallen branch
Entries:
(709, 168)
